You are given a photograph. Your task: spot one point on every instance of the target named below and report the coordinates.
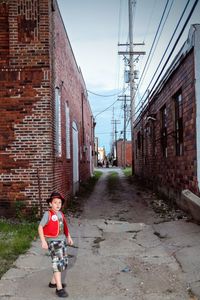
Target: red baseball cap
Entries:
(55, 195)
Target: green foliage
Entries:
(19, 209)
(128, 172)
(29, 214)
(15, 239)
(113, 181)
(86, 188)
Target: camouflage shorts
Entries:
(58, 252)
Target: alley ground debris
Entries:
(128, 245)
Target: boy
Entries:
(53, 232)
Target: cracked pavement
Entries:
(123, 250)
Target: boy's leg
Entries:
(58, 252)
(53, 280)
(57, 278)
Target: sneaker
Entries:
(61, 293)
(53, 285)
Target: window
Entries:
(67, 118)
(58, 141)
(178, 124)
(163, 137)
(28, 20)
(139, 140)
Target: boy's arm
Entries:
(69, 239)
(66, 231)
(42, 238)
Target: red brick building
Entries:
(46, 124)
(167, 138)
(121, 162)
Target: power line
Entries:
(155, 37)
(100, 95)
(169, 56)
(108, 106)
(140, 82)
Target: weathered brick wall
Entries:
(25, 125)
(173, 173)
(68, 78)
(120, 153)
(35, 57)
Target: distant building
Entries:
(167, 136)
(96, 151)
(101, 154)
(124, 158)
(46, 128)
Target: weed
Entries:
(85, 191)
(128, 171)
(15, 239)
(113, 182)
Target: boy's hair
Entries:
(55, 195)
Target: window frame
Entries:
(67, 132)
(58, 129)
(178, 122)
(163, 131)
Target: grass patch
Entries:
(128, 174)
(15, 239)
(113, 182)
(86, 189)
(128, 171)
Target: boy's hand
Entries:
(44, 245)
(70, 241)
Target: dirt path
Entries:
(119, 200)
(119, 256)
(123, 251)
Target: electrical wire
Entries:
(169, 56)
(109, 105)
(150, 19)
(147, 67)
(105, 109)
(153, 43)
(100, 95)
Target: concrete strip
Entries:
(190, 203)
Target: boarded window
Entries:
(163, 133)
(178, 101)
(139, 140)
(68, 144)
(28, 20)
(58, 140)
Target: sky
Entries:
(96, 27)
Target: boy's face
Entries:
(56, 204)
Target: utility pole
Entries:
(131, 54)
(124, 152)
(124, 131)
(132, 82)
(115, 122)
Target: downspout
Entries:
(82, 112)
(197, 94)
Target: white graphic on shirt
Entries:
(54, 218)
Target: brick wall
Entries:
(120, 153)
(26, 137)
(69, 78)
(172, 173)
(35, 57)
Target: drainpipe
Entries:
(197, 94)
